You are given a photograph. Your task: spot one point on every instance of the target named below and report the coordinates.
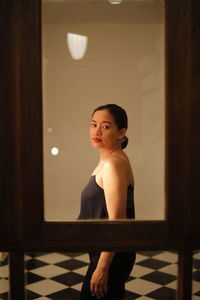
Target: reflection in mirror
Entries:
(60, 275)
(4, 276)
(94, 53)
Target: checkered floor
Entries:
(59, 276)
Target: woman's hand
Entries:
(99, 282)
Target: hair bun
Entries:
(124, 142)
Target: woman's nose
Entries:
(98, 131)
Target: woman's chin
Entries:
(96, 145)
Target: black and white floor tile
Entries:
(4, 275)
(59, 276)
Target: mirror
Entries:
(96, 52)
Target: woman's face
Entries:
(104, 133)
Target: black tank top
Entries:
(93, 204)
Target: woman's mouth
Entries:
(96, 140)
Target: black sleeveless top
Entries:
(93, 204)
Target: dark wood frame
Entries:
(21, 207)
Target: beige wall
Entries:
(124, 64)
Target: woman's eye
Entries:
(93, 125)
(106, 127)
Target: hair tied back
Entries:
(124, 142)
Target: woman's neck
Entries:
(106, 153)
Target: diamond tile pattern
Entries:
(72, 264)
(59, 276)
(153, 264)
(159, 277)
(145, 280)
(69, 278)
(163, 293)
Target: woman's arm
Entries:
(115, 184)
(99, 280)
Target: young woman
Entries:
(108, 194)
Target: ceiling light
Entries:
(77, 45)
(115, 1)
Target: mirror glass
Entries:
(96, 52)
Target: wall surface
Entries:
(123, 64)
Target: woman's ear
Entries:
(122, 133)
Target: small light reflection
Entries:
(54, 151)
(49, 130)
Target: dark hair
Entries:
(120, 118)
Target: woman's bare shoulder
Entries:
(116, 163)
(119, 166)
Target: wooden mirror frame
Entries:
(21, 60)
(21, 207)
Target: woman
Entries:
(108, 194)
